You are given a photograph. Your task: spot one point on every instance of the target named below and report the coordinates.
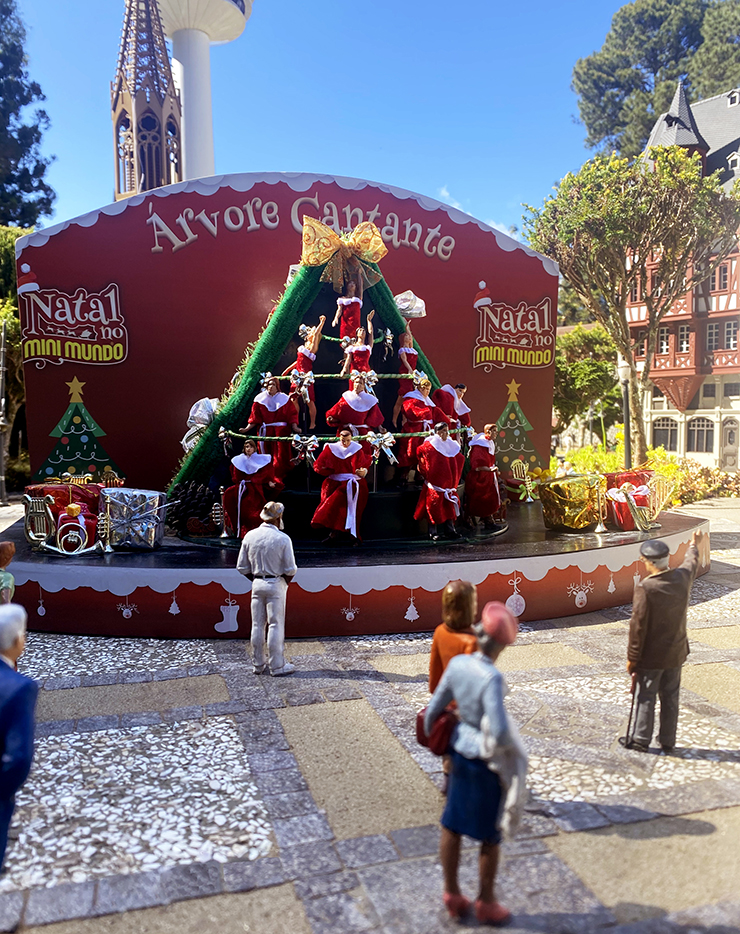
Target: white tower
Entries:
(193, 25)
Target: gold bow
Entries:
(345, 255)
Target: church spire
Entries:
(145, 105)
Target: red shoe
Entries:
(492, 913)
(456, 905)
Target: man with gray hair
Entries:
(658, 645)
(267, 560)
(17, 704)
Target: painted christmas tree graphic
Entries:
(77, 451)
(512, 440)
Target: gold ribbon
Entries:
(344, 255)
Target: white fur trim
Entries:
(460, 407)
(416, 394)
(341, 452)
(407, 350)
(448, 448)
(360, 401)
(250, 465)
(271, 403)
(306, 352)
(343, 300)
(481, 441)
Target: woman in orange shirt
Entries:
(454, 635)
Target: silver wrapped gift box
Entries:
(136, 516)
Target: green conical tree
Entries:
(512, 440)
(77, 451)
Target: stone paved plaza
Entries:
(175, 791)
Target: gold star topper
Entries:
(75, 390)
(513, 388)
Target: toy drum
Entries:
(572, 503)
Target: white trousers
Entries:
(268, 611)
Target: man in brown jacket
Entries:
(658, 645)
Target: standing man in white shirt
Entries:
(267, 559)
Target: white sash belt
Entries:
(355, 429)
(263, 431)
(353, 492)
(450, 494)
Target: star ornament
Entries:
(513, 388)
(75, 390)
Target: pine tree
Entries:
(77, 451)
(512, 440)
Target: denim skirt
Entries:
(473, 800)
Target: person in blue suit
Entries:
(17, 705)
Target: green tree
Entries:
(571, 309)
(14, 386)
(585, 362)
(24, 195)
(657, 227)
(624, 86)
(716, 65)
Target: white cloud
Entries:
(504, 228)
(445, 195)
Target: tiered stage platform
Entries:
(192, 590)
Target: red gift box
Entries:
(621, 515)
(87, 495)
(66, 522)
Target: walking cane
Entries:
(628, 738)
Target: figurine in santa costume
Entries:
(407, 358)
(357, 354)
(440, 464)
(273, 414)
(450, 399)
(304, 364)
(357, 410)
(482, 495)
(344, 492)
(254, 484)
(349, 307)
(419, 414)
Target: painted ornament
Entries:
(516, 603)
(229, 612)
(127, 609)
(581, 592)
(412, 614)
(350, 611)
(174, 608)
(612, 586)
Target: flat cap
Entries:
(655, 548)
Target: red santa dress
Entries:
(304, 364)
(359, 357)
(275, 415)
(343, 493)
(440, 463)
(419, 414)
(454, 408)
(358, 411)
(482, 496)
(350, 316)
(411, 356)
(244, 500)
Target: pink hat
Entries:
(499, 623)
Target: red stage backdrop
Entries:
(149, 303)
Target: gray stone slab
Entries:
(319, 886)
(290, 804)
(303, 698)
(225, 707)
(366, 851)
(417, 841)
(197, 670)
(577, 815)
(192, 881)
(280, 782)
(341, 693)
(526, 847)
(687, 799)
(151, 718)
(129, 892)
(62, 684)
(170, 674)
(309, 859)
(182, 713)
(259, 747)
(11, 906)
(304, 829)
(341, 914)
(272, 761)
(59, 903)
(100, 679)
(135, 677)
(243, 875)
(93, 724)
(625, 813)
(536, 825)
(54, 728)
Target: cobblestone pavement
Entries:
(174, 790)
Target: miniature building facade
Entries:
(694, 407)
(145, 106)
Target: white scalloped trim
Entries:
(297, 181)
(123, 581)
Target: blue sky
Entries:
(466, 102)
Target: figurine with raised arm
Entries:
(482, 495)
(273, 414)
(407, 359)
(450, 399)
(357, 354)
(419, 414)
(357, 410)
(349, 307)
(254, 483)
(344, 491)
(305, 360)
(440, 464)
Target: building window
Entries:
(662, 340)
(733, 162)
(640, 345)
(733, 98)
(700, 436)
(683, 338)
(732, 389)
(708, 391)
(712, 336)
(719, 279)
(665, 434)
(731, 335)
